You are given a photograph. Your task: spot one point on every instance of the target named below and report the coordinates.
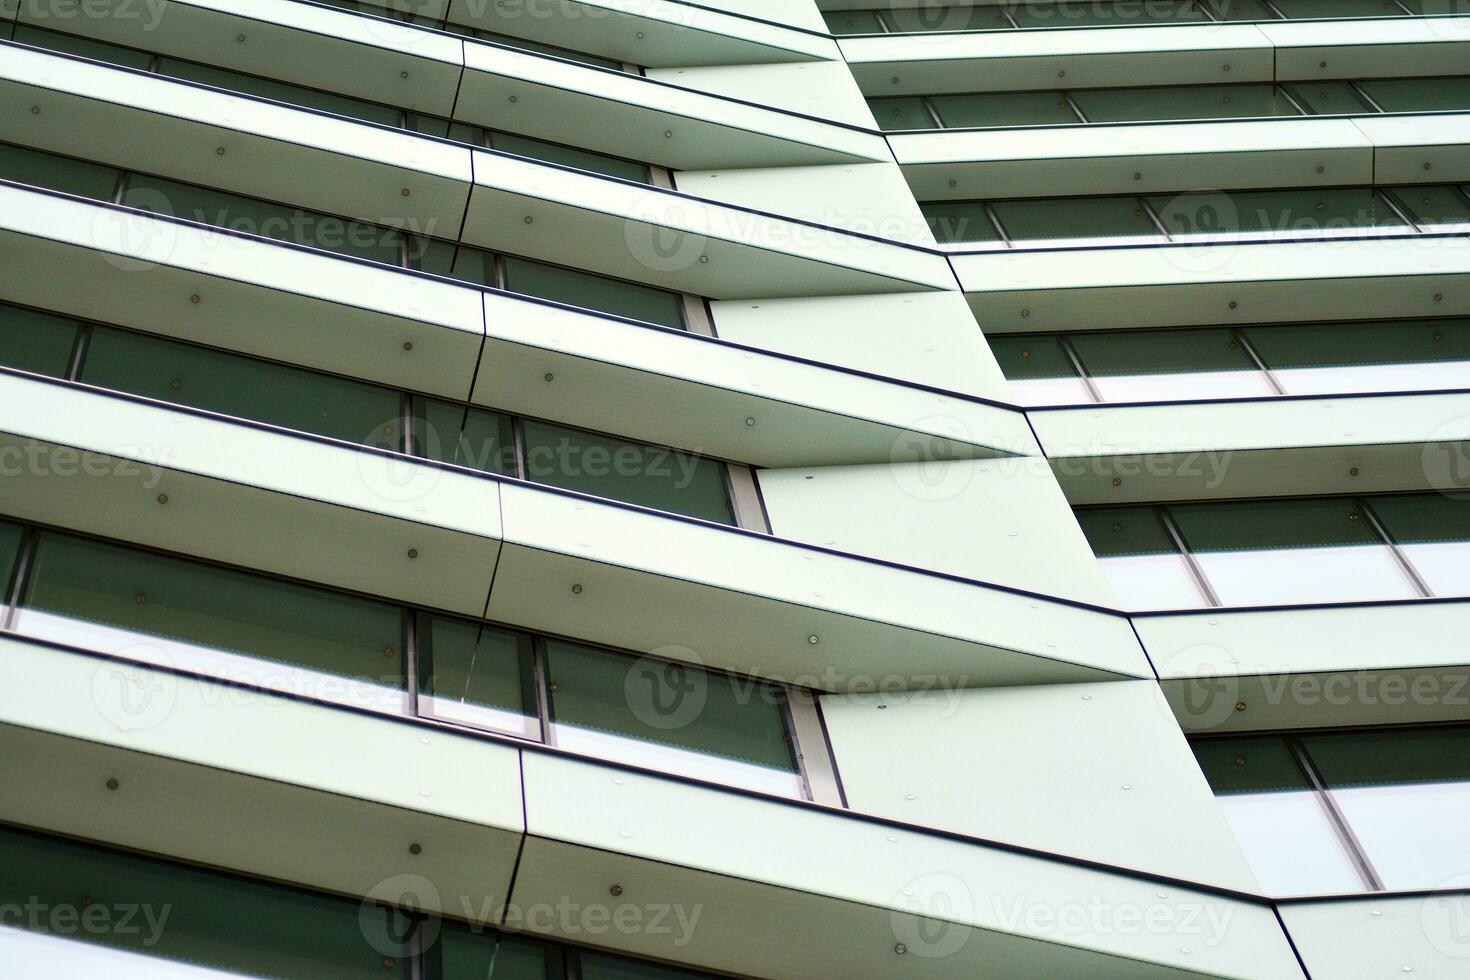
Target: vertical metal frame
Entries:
(812, 748)
(743, 486)
(1400, 558)
(1201, 581)
(1340, 826)
(15, 589)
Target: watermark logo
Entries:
(393, 476)
(1444, 915)
(132, 696)
(920, 465)
(142, 922)
(1446, 458)
(1209, 697)
(929, 916)
(656, 245)
(136, 240)
(1200, 212)
(383, 923)
(667, 694)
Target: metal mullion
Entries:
(933, 112)
(1464, 194)
(1405, 8)
(1066, 344)
(995, 222)
(121, 187)
(1405, 565)
(79, 351)
(1274, 9)
(540, 669)
(16, 587)
(1204, 9)
(883, 22)
(1397, 207)
(499, 268)
(1340, 826)
(1358, 90)
(1295, 102)
(1153, 216)
(411, 657)
(1258, 360)
(1076, 109)
(1005, 9)
(417, 969)
(1201, 580)
(518, 433)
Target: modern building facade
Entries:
(590, 489)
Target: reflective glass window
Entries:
(1329, 98)
(569, 156)
(1075, 217)
(1300, 9)
(959, 221)
(269, 88)
(34, 341)
(227, 623)
(1139, 558)
(1404, 355)
(1038, 370)
(473, 674)
(460, 953)
(10, 537)
(1433, 204)
(929, 18)
(85, 47)
(852, 22)
(1182, 102)
(472, 437)
(1165, 365)
(986, 109)
(665, 479)
(1419, 94)
(57, 173)
(1433, 531)
(671, 716)
(1120, 13)
(904, 112)
(1240, 10)
(590, 291)
(1311, 210)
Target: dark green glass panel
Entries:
(475, 664)
(112, 54)
(463, 954)
(1329, 98)
(1182, 102)
(1348, 344)
(669, 703)
(896, 114)
(593, 292)
(664, 479)
(852, 22)
(1027, 357)
(1295, 210)
(468, 437)
(1240, 10)
(217, 607)
(1419, 94)
(457, 262)
(929, 18)
(1118, 531)
(1300, 9)
(152, 908)
(600, 966)
(1439, 8)
(1421, 518)
(57, 173)
(253, 216)
(1122, 13)
(6, 30)
(1249, 765)
(568, 156)
(1076, 217)
(444, 129)
(1003, 109)
(267, 88)
(243, 387)
(35, 341)
(959, 221)
(1272, 524)
(10, 535)
(1160, 352)
(1391, 758)
(549, 49)
(1435, 204)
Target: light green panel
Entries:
(929, 339)
(734, 403)
(1115, 745)
(751, 604)
(1403, 47)
(628, 115)
(665, 239)
(1421, 935)
(1419, 149)
(1127, 159)
(368, 58)
(1037, 59)
(1297, 668)
(758, 868)
(264, 785)
(297, 507)
(1000, 521)
(313, 310)
(156, 125)
(825, 90)
(1226, 283)
(869, 199)
(654, 36)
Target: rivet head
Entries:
(615, 890)
(194, 299)
(900, 949)
(112, 784)
(1224, 67)
(668, 134)
(163, 498)
(219, 151)
(415, 849)
(405, 192)
(140, 598)
(1321, 169)
(1438, 297)
(954, 183)
(1321, 64)
(1234, 304)
(403, 74)
(35, 110)
(408, 345)
(387, 651)
(1025, 313)
(894, 80)
(813, 639)
(1117, 481)
(240, 38)
(704, 259)
(577, 589)
(528, 219)
(1353, 471)
(1240, 706)
(750, 421)
(515, 98)
(1138, 176)
(548, 376)
(1062, 73)
(413, 552)
(1426, 166)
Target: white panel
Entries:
(871, 199)
(749, 603)
(1195, 54)
(795, 13)
(996, 764)
(1420, 936)
(366, 57)
(1418, 149)
(1406, 47)
(1000, 521)
(1103, 159)
(928, 339)
(661, 237)
(807, 850)
(631, 115)
(823, 90)
(158, 125)
(1217, 284)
